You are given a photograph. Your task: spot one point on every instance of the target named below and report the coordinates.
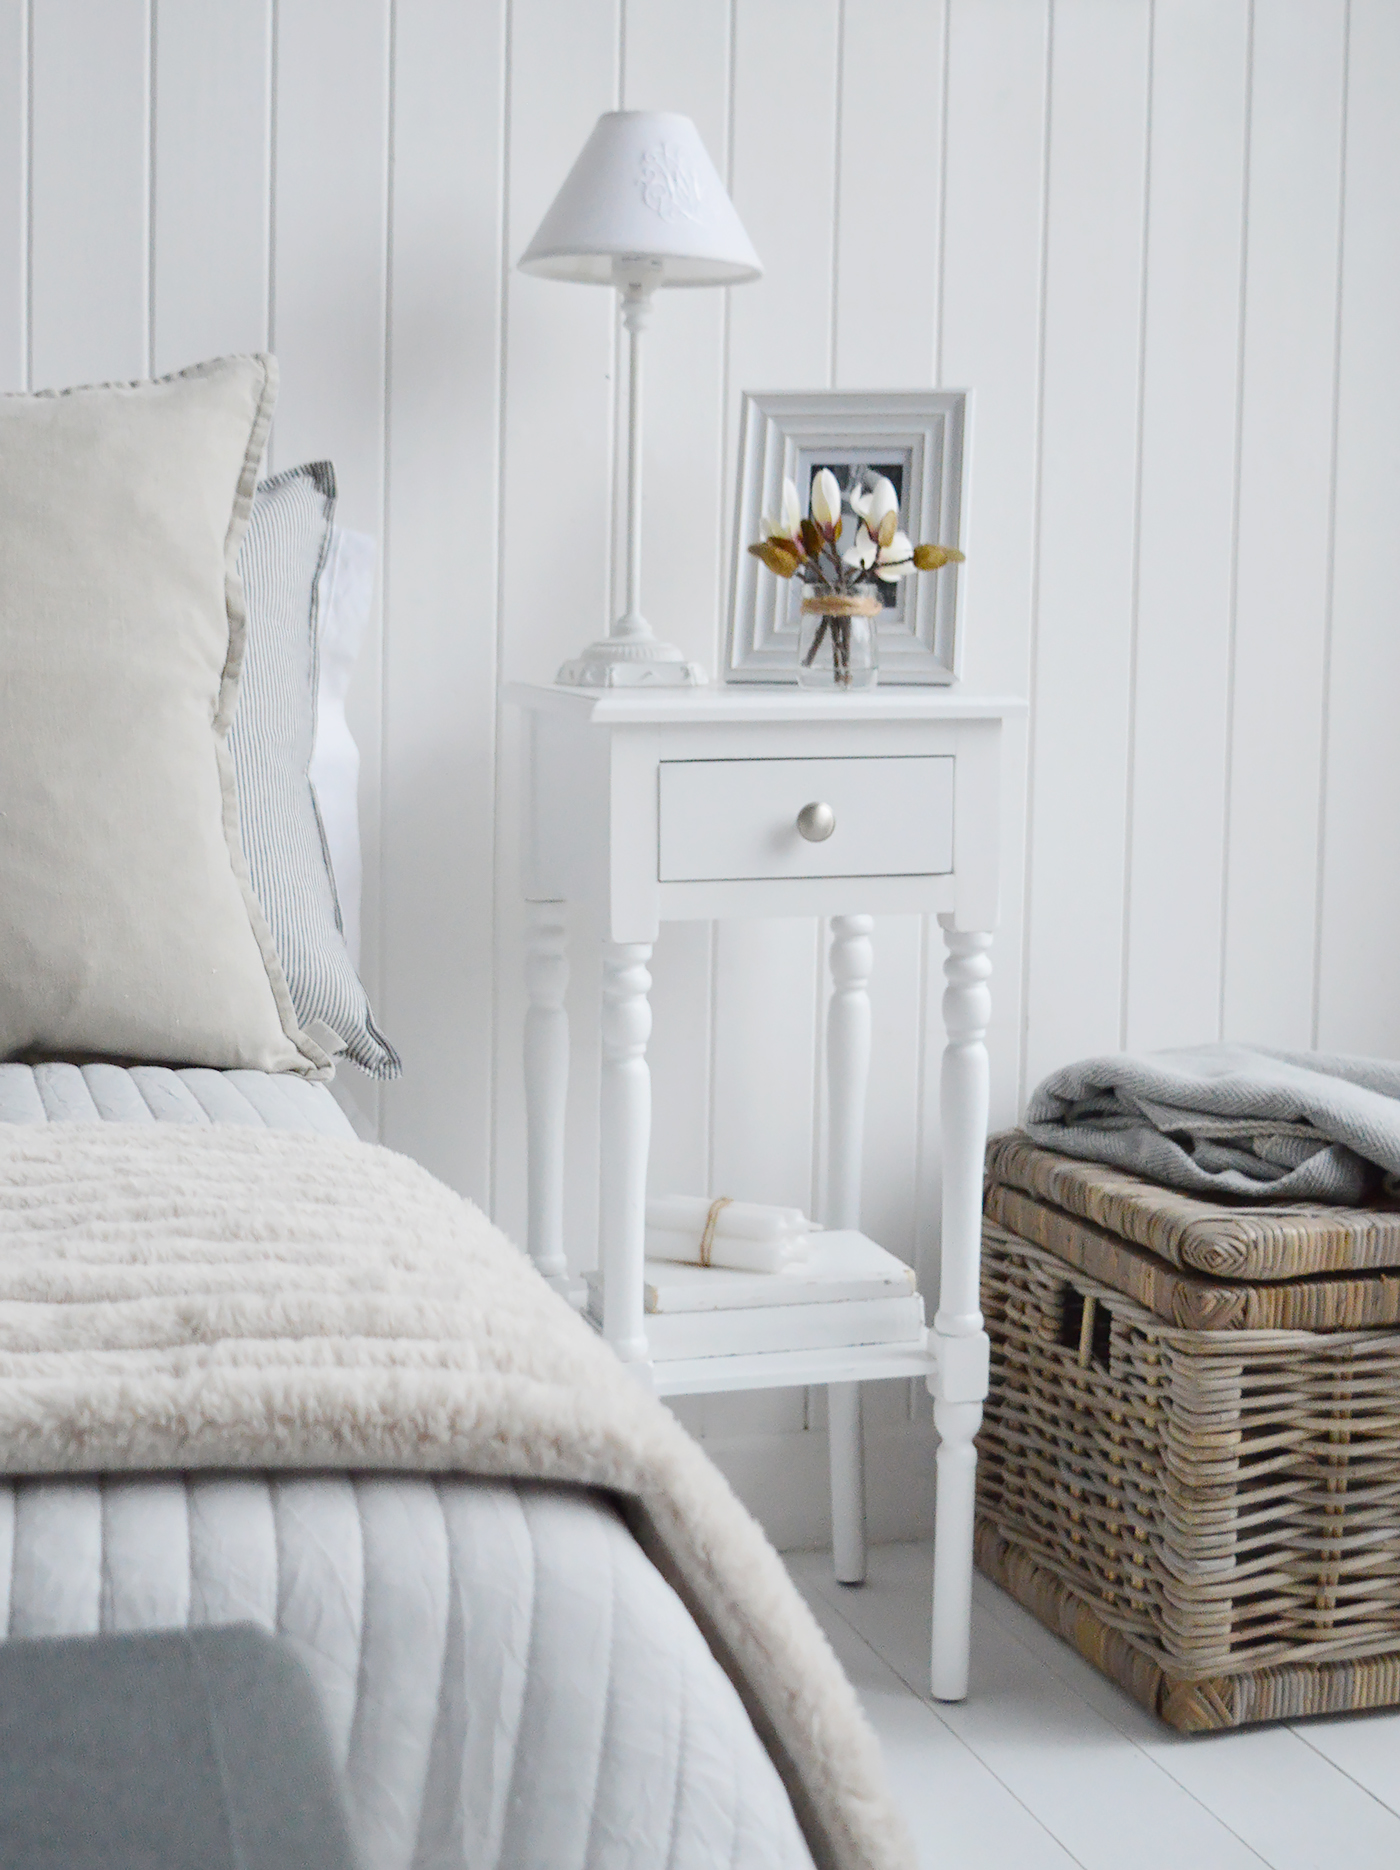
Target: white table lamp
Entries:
(642, 207)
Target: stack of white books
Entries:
(845, 1291)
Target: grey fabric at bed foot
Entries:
(184, 1750)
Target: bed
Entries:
(527, 1653)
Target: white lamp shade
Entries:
(643, 189)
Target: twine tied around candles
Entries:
(707, 1237)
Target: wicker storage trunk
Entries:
(1211, 1516)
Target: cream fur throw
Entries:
(192, 1298)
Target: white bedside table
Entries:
(683, 804)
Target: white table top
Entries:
(646, 707)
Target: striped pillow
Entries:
(271, 738)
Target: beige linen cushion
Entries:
(128, 927)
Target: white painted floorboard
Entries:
(1047, 1763)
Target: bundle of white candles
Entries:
(744, 1236)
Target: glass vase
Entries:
(837, 648)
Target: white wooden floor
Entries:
(1046, 1765)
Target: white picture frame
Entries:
(919, 439)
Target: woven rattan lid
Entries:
(1201, 1264)
(1229, 1241)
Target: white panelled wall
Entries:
(1157, 237)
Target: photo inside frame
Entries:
(856, 470)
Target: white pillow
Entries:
(128, 926)
(347, 591)
(281, 562)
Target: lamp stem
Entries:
(636, 315)
(630, 656)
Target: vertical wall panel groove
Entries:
(1135, 575)
(1290, 316)
(90, 183)
(888, 190)
(837, 146)
(14, 198)
(272, 63)
(29, 195)
(444, 334)
(493, 1122)
(614, 545)
(940, 258)
(1330, 576)
(1092, 311)
(1358, 982)
(153, 38)
(1190, 396)
(1233, 637)
(386, 492)
(1023, 850)
(210, 181)
(815, 1203)
(330, 255)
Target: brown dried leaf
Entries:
(780, 559)
(930, 557)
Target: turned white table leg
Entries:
(546, 1085)
(847, 1453)
(847, 1065)
(848, 1077)
(625, 1126)
(960, 1382)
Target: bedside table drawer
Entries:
(737, 820)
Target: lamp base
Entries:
(620, 663)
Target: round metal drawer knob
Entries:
(816, 822)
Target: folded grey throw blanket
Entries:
(177, 1298)
(1231, 1120)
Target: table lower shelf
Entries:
(764, 1370)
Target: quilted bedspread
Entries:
(508, 1679)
